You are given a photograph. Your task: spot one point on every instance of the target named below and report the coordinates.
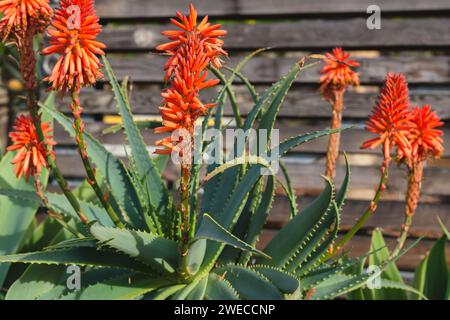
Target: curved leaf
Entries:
(113, 172)
(159, 253)
(249, 284)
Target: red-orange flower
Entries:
(337, 72)
(206, 34)
(75, 27)
(390, 116)
(425, 139)
(31, 154)
(192, 50)
(19, 15)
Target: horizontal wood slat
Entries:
(269, 68)
(419, 33)
(302, 101)
(151, 9)
(351, 139)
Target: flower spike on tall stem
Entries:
(337, 76)
(390, 121)
(192, 49)
(426, 142)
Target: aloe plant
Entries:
(143, 259)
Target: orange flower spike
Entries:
(31, 154)
(73, 31)
(390, 117)
(20, 15)
(337, 72)
(205, 34)
(426, 141)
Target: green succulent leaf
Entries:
(259, 218)
(401, 287)
(159, 253)
(114, 173)
(159, 197)
(199, 291)
(210, 229)
(219, 289)
(420, 278)
(437, 272)
(125, 287)
(284, 281)
(250, 284)
(61, 204)
(288, 241)
(391, 273)
(77, 256)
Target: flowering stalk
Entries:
(192, 49)
(334, 139)
(58, 217)
(78, 126)
(73, 38)
(369, 211)
(426, 142)
(21, 21)
(337, 76)
(390, 121)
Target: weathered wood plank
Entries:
(302, 101)
(388, 217)
(350, 142)
(360, 245)
(151, 9)
(270, 68)
(305, 34)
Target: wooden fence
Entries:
(413, 39)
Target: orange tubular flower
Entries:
(75, 27)
(426, 141)
(337, 76)
(192, 49)
(31, 154)
(390, 117)
(20, 15)
(337, 72)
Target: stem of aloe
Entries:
(28, 71)
(369, 211)
(412, 201)
(90, 171)
(52, 213)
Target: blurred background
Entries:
(410, 36)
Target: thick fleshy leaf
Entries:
(212, 230)
(437, 272)
(289, 240)
(159, 253)
(77, 256)
(159, 197)
(249, 284)
(219, 289)
(126, 287)
(114, 173)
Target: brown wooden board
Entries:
(301, 101)
(351, 139)
(269, 68)
(151, 9)
(304, 34)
